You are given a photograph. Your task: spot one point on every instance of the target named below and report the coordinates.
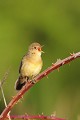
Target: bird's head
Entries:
(35, 49)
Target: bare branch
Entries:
(35, 117)
(1, 83)
(28, 85)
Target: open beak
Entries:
(40, 49)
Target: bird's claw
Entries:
(33, 81)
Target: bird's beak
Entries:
(42, 51)
(41, 48)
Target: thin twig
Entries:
(5, 102)
(4, 78)
(1, 83)
(3, 97)
(28, 85)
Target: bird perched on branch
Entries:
(31, 65)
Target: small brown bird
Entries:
(31, 65)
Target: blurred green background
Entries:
(56, 25)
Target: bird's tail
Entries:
(21, 81)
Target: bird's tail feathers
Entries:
(21, 81)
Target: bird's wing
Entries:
(21, 63)
(20, 67)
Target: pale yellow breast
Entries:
(31, 67)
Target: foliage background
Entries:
(56, 25)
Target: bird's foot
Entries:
(33, 81)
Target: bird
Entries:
(31, 65)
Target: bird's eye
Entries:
(35, 47)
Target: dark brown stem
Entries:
(37, 78)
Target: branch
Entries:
(27, 117)
(37, 79)
(1, 83)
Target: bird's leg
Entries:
(26, 78)
(33, 80)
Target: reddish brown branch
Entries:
(52, 117)
(37, 78)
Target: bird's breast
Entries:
(31, 68)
